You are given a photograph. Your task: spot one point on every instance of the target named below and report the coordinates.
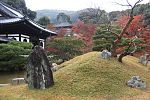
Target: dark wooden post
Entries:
(35, 40)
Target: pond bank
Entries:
(6, 77)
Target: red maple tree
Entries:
(84, 32)
(135, 28)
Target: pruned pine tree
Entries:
(103, 38)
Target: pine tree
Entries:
(103, 38)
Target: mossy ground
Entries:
(87, 77)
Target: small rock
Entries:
(105, 54)
(136, 82)
(18, 81)
(54, 67)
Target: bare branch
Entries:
(120, 4)
(118, 39)
(129, 3)
(136, 4)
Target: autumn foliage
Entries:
(84, 32)
(135, 28)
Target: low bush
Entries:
(64, 48)
(11, 58)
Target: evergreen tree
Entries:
(44, 21)
(103, 38)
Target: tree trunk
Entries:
(114, 46)
(123, 55)
(39, 74)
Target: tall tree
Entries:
(119, 37)
(94, 16)
(44, 21)
(62, 17)
(103, 38)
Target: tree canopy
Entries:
(44, 21)
(62, 17)
(94, 16)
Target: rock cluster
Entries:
(136, 82)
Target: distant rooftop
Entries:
(63, 25)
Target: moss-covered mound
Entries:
(88, 77)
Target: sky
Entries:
(75, 5)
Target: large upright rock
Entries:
(39, 74)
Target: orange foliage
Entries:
(135, 27)
(84, 32)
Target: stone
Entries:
(136, 82)
(144, 59)
(2, 85)
(38, 70)
(105, 54)
(17, 81)
(54, 67)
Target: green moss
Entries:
(88, 77)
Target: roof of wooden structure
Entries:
(63, 25)
(12, 22)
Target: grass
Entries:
(86, 77)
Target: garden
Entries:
(101, 58)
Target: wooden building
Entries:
(15, 25)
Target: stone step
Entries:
(17, 81)
(2, 85)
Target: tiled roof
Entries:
(10, 11)
(11, 20)
(41, 28)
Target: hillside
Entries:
(53, 14)
(88, 77)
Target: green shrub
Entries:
(65, 48)
(10, 55)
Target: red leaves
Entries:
(135, 26)
(84, 32)
(51, 49)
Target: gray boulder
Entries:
(105, 54)
(136, 82)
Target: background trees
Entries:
(62, 17)
(44, 21)
(84, 32)
(64, 48)
(94, 16)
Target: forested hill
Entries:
(83, 14)
(52, 14)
